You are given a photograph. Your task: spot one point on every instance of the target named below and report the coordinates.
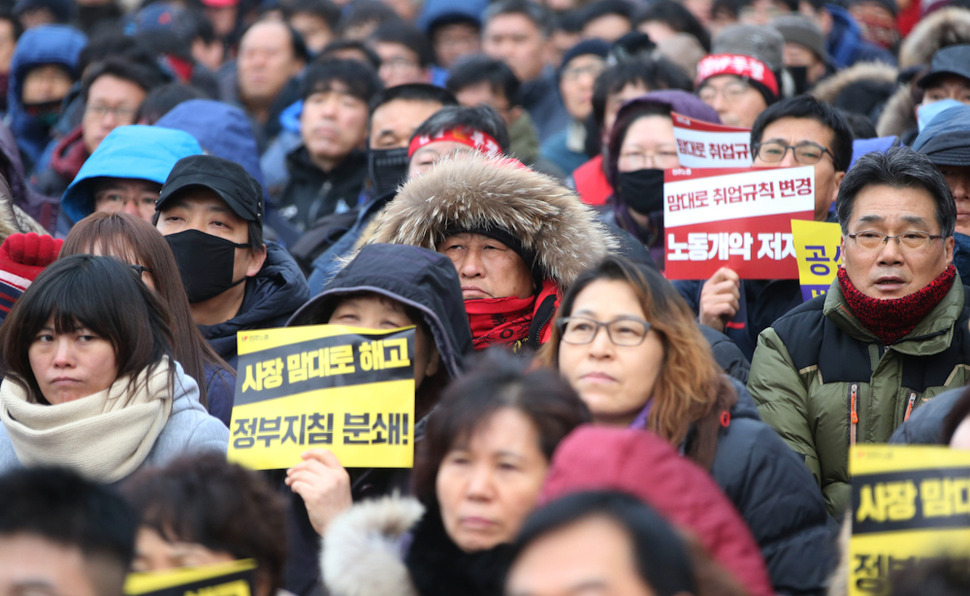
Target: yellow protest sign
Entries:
(818, 249)
(344, 389)
(909, 503)
(235, 578)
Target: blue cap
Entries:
(946, 139)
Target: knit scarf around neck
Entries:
(499, 321)
(104, 436)
(891, 320)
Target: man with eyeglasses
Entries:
(891, 333)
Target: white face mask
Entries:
(926, 113)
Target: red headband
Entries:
(737, 64)
(476, 139)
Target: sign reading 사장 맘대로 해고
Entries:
(324, 386)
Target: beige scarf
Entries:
(104, 436)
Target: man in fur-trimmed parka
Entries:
(517, 238)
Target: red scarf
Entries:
(891, 320)
(506, 321)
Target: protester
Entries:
(25, 209)
(134, 241)
(805, 57)
(314, 20)
(517, 238)
(22, 258)
(652, 369)
(199, 510)
(91, 382)
(608, 20)
(889, 334)
(405, 53)
(126, 171)
(478, 474)
(64, 533)
(454, 28)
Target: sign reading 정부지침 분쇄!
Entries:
(735, 217)
(706, 145)
(909, 503)
(325, 386)
(818, 246)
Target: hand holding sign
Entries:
(720, 299)
(324, 486)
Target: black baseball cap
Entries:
(229, 180)
(951, 60)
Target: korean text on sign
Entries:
(818, 246)
(348, 390)
(705, 145)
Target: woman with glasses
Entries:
(630, 346)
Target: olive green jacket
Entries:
(808, 365)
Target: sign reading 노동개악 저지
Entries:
(324, 386)
(735, 217)
(909, 503)
(233, 578)
(707, 145)
(818, 247)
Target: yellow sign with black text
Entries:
(909, 503)
(818, 249)
(235, 578)
(344, 389)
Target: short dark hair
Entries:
(60, 506)
(163, 98)
(297, 45)
(224, 507)
(540, 16)
(111, 42)
(471, 70)
(75, 290)
(413, 92)
(661, 556)
(899, 167)
(678, 18)
(325, 9)
(360, 80)
(145, 76)
(483, 118)
(811, 108)
(496, 381)
(654, 73)
(602, 8)
(407, 35)
(332, 50)
(362, 12)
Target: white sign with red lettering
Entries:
(734, 217)
(704, 145)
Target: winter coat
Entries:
(272, 296)
(66, 160)
(845, 44)
(136, 151)
(925, 426)
(312, 193)
(809, 365)
(23, 209)
(220, 392)
(47, 44)
(863, 88)
(190, 429)
(474, 192)
(591, 183)
(540, 97)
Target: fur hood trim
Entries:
(899, 115)
(828, 90)
(941, 28)
(361, 553)
(476, 192)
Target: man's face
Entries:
(399, 65)
(737, 103)
(223, 18)
(453, 41)
(794, 131)
(487, 268)
(201, 209)
(266, 62)
(762, 12)
(313, 29)
(894, 270)
(515, 40)
(958, 177)
(31, 564)
(126, 195)
(576, 84)
(426, 157)
(393, 123)
(562, 562)
(948, 87)
(333, 124)
(112, 102)
(45, 83)
(615, 101)
(484, 94)
(7, 44)
(798, 55)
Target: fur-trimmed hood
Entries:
(899, 114)
(361, 553)
(941, 28)
(828, 90)
(472, 191)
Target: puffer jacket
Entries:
(808, 366)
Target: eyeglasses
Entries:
(398, 63)
(870, 240)
(139, 269)
(120, 112)
(806, 152)
(624, 331)
(730, 92)
(572, 73)
(663, 159)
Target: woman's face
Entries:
(614, 381)
(373, 311)
(154, 553)
(649, 143)
(488, 484)
(72, 365)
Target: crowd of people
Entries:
(175, 172)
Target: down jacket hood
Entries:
(476, 192)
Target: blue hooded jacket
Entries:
(47, 44)
(136, 151)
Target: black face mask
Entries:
(205, 263)
(387, 168)
(641, 190)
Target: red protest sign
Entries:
(705, 145)
(734, 217)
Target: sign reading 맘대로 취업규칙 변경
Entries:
(325, 386)
(909, 503)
